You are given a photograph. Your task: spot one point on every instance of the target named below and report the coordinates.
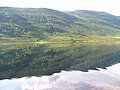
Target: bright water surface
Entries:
(86, 66)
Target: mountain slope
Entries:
(43, 22)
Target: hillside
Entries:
(43, 22)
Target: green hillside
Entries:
(43, 23)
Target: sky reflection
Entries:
(104, 79)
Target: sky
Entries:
(110, 6)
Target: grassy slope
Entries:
(46, 23)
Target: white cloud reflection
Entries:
(72, 80)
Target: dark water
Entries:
(87, 66)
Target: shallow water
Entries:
(85, 66)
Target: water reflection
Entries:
(38, 60)
(104, 79)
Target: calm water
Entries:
(87, 66)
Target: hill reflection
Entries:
(38, 60)
(104, 79)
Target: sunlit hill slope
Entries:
(43, 22)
